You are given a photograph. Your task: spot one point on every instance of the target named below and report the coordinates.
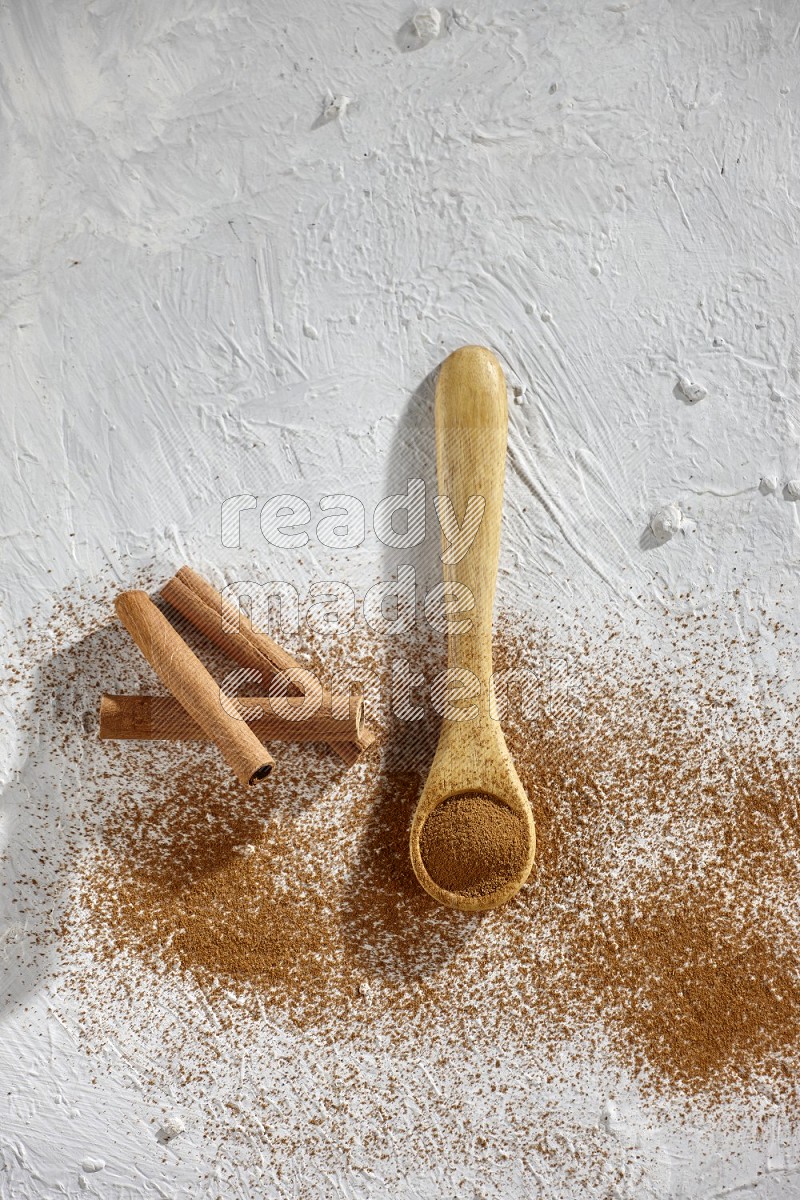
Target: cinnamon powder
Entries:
(659, 906)
(473, 844)
(661, 912)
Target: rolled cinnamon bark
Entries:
(197, 600)
(190, 683)
(157, 718)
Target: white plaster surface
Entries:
(206, 290)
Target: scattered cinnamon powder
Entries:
(473, 844)
(660, 907)
(661, 917)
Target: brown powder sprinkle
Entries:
(660, 905)
(472, 844)
(658, 930)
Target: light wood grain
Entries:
(471, 419)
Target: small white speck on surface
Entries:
(247, 850)
(90, 1165)
(335, 107)
(365, 989)
(609, 1116)
(595, 269)
(793, 489)
(547, 316)
(171, 1126)
(426, 24)
(665, 522)
(768, 484)
(519, 390)
(311, 331)
(692, 391)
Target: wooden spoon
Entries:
(472, 756)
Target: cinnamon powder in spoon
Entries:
(473, 844)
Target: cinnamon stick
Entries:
(190, 683)
(197, 600)
(153, 718)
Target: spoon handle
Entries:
(471, 433)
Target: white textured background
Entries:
(206, 290)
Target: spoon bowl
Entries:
(499, 783)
